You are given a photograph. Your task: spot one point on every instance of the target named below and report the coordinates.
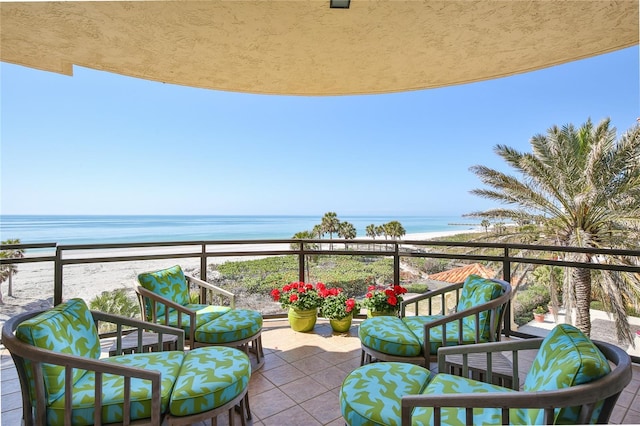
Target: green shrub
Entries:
(115, 302)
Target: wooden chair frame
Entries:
(607, 388)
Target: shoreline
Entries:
(33, 283)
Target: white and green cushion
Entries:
(210, 377)
(476, 291)
(449, 384)
(370, 395)
(169, 283)
(68, 328)
(566, 358)
(389, 335)
(233, 326)
(83, 405)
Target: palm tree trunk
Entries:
(581, 278)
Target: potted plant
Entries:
(538, 313)
(338, 308)
(383, 300)
(302, 300)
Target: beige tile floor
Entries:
(300, 380)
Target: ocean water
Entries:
(132, 229)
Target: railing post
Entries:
(301, 263)
(396, 264)
(203, 262)
(57, 278)
(506, 268)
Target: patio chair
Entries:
(572, 380)
(67, 379)
(165, 298)
(480, 307)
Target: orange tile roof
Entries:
(458, 275)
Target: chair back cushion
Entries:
(476, 291)
(566, 358)
(68, 328)
(169, 283)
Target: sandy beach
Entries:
(33, 284)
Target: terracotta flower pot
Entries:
(538, 317)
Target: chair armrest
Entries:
(431, 294)
(135, 325)
(213, 288)
(168, 303)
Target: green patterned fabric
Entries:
(416, 325)
(389, 335)
(169, 283)
(233, 326)
(566, 358)
(450, 384)
(476, 291)
(167, 363)
(370, 395)
(204, 314)
(210, 377)
(68, 328)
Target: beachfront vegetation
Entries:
(8, 270)
(117, 302)
(578, 187)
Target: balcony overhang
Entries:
(304, 47)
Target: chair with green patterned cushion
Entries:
(479, 310)
(165, 297)
(572, 380)
(66, 379)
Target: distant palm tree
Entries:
(485, 224)
(7, 271)
(582, 187)
(347, 231)
(330, 224)
(306, 235)
(394, 229)
(371, 231)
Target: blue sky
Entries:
(101, 143)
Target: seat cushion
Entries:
(566, 358)
(476, 291)
(233, 326)
(167, 363)
(209, 378)
(416, 325)
(371, 394)
(169, 283)
(442, 384)
(67, 328)
(204, 314)
(389, 335)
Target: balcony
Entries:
(299, 383)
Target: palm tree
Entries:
(583, 187)
(306, 235)
(394, 229)
(485, 224)
(7, 271)
(330, 224)
(347, 231)
(371, 231)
